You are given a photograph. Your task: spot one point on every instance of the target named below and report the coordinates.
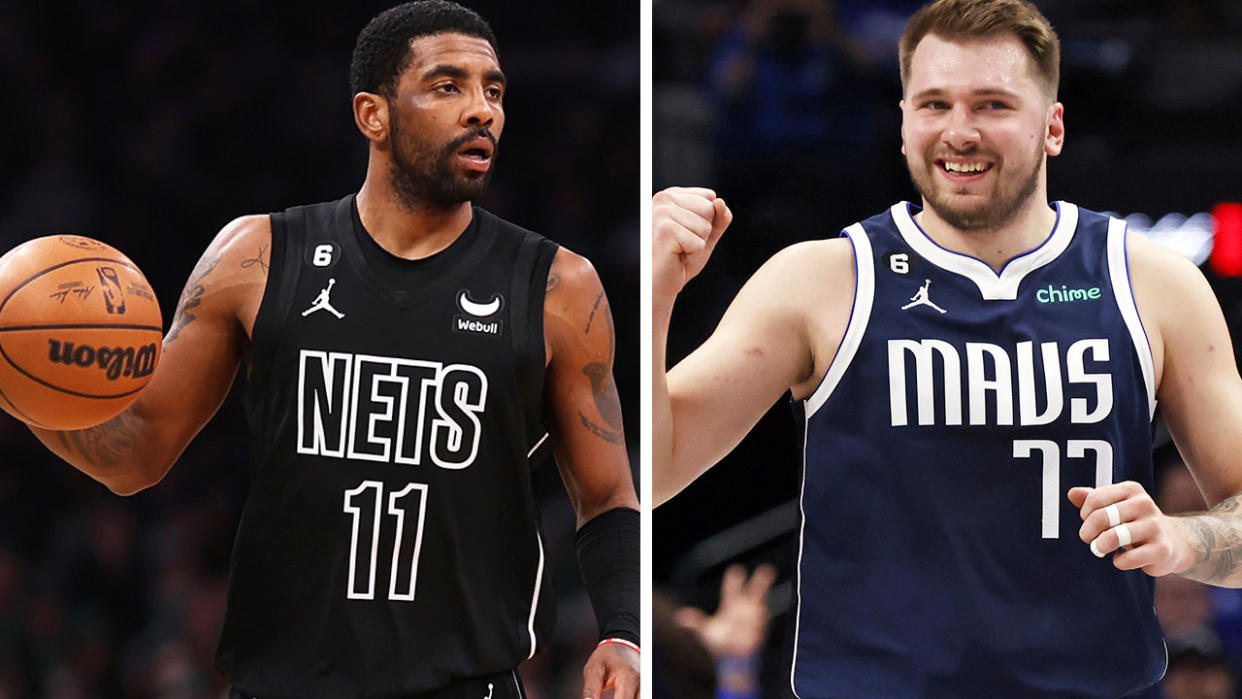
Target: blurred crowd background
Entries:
(150, 125)
(789, 109)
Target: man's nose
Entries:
(479, 111)
(961, 133)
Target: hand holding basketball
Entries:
(80, 332)
(686, 223)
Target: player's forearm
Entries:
(663, 486)
(106, 452)
(1216, 544)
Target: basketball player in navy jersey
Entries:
(978, 376)
(403, 351)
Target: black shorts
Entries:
(502, 685)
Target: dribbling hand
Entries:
(686, 223)
(1123, 518)
(611, 672)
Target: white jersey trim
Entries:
(793, 665)
(992, 286)
(538, 444)
(856, 327)
(534, 600)
(1123, 292)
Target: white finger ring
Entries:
(1114, 515)
(1123, 535)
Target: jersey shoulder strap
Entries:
(290, 230)
(531, 264)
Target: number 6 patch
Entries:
(898, 262)
(322, 255)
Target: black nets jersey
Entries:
(390, 540)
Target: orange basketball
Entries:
(80, 332)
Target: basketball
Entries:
(80, 332)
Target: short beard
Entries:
(426, 180)
(992, 214)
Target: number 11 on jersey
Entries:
(408, 508)
(1051, 453)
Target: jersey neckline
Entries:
(993, 286)
(404, 282)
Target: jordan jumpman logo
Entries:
(920, 298)
(321, 302)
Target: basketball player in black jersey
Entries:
(403, 351)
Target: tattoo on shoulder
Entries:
(553, 282)
(263, 260)
(105, 446)
(192, 296)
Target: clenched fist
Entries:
(686, 222)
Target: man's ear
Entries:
(901, 105)
(371, 116)
(1054, 140)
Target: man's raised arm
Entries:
(780, 332)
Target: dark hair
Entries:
(382, 51)
(980, 19)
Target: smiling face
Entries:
(977, 125)
(445, 121)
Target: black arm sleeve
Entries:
(608, 559)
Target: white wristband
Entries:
(628, 644)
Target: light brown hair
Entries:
(982, 19)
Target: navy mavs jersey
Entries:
(390, 542)
(939, 555)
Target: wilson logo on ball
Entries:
(133, 362)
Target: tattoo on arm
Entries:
(553, 282)
(604, 391)
(105, 447)
(191, 296)
(603, 387)
(594, 308)
(599, 431)
(1216, 537)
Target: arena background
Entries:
(150, 125)
(801, 136)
